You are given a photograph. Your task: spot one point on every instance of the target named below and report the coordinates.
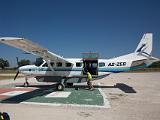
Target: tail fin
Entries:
(145, 45)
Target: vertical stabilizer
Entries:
(145, 45)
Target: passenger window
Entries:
(68, 64)
(78, 64)
(45, 65)
(59, 64)
(52, 64)
(101, 64)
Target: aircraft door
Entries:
(91, 66)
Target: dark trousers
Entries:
(89, 83)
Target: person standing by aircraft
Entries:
(89, 80)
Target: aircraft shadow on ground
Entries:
(125, 88)
(43, 90)
(47, 89)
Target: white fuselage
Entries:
(105, 67)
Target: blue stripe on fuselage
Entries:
(114, 70)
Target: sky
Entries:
(71, 27)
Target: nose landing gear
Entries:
(26, 83)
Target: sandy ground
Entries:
(13, 74)
(133, 96)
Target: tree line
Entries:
(5, 63)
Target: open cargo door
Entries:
(90, 63)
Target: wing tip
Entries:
(10, 38)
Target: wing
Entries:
(33, 48)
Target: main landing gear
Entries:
(60, 86)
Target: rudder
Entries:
(145, 45)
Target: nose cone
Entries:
(27, 69)
(21, 69)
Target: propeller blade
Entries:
(16, 75)
(17, 62)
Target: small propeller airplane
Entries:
(73, 70)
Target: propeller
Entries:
(16, 75)
(17, 61)
(17, 68)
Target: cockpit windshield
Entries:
(39, 62)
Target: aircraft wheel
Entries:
(26, 84)
(60, 87)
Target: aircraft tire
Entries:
(60, 87)
(26, 84)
